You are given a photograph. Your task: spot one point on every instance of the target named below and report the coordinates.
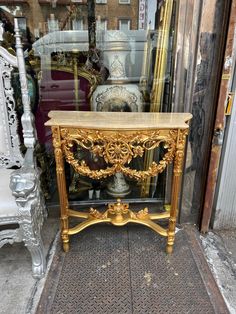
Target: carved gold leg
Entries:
(61, 183)
(65, 240)
(169, 249)
(170, 236)
(64, 233)
(173, 213)
(178, 162)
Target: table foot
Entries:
(169, 248)
(66, 246)
(65, 242)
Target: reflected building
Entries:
(45, 16)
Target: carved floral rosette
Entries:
(118, 149)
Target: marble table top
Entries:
(118, 120)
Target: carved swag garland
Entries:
(118, 149)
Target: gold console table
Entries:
(118, 138)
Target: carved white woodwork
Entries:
(21, 200)
(10, 236)
(10, 154)
(1, 31)
(27, 118)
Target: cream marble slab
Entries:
(118, 120)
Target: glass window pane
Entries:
(102, 56)
(124, 25)
(77, 24)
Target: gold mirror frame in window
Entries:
(159, 74)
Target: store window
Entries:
(53, 24)
(78, 24)
(101, 24)
(82, 57)
(124, 25)
(124, 1)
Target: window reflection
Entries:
(99, 55)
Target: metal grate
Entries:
(111, 270)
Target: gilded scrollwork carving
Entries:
(57, 149)
(117, 212)
(143, 214)
(179, 155)
(117, 149)
(94, 213)
(118, 208)
(56, 137)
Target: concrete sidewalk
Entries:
(20, 293)
(220, 251)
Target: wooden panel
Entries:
(225, 207)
